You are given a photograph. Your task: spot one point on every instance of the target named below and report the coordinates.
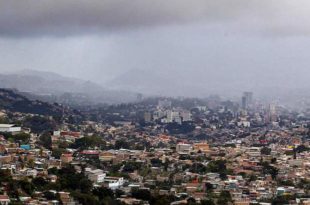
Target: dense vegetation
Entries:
(22, 138)
(10, 100)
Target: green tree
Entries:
(21, 137)
(39, 124)
(268, 169)
(102, 193)
(265, 151)
(224, 198)
(27, 187)
(85, 199)
(207, 202)
(121, 144)
(209, 187)
(58, 152)
(39, 183)
(142, 194)
(85, 185)
(46, 140)
(88, 142)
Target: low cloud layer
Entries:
(74, 17)
(201, 46)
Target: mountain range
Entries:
(52, 87)
(14, 102)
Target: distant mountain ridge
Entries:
(45, 82)
(52, 87)
(14, 102)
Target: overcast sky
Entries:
(247, 42)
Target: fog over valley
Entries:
(166, 48)
(154, 102)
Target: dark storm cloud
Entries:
(218, 45)
(66, 17)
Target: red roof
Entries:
(90, 152)
(2, 197)
(66, 133)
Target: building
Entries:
(272, 113)
(10, 128)
(147, 117)
(139, 97)
(66, 158)
(186, 116)
(203, 147)
(158, 114)
(32, 172)
(114, 182)
(66, 199)
(4, 200)
(244, 123)
(39, 166)
(247, 100)
(253, 151)
(173, 116)
(106, 156)
(25, 146)
(182, 147)
(96, 176)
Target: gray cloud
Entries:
(203, 45)
(59, 17)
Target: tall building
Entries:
(186, 116)
(173, 116)
(244, 104)
(273, 112)
(139, 97)
(147, 117)
(247, 100)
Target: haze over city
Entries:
(171, 48)
(154, 102)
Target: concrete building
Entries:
(186, 116)
(203, 147)
(247, 100)
(4, 200)
(114, 182)
(181, 147)
(147, 117)
(10, 128)
(66, 158)
(96, 176)
(173, 116)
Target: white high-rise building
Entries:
(173, 116)
(186, 116)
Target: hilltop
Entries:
(12, 101)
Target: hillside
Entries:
(14, 102)
(52, 87)
(40, 82)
